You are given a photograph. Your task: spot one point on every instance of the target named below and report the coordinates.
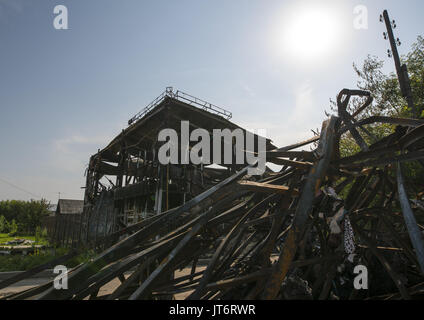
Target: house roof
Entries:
(68, 206)
(169, 113)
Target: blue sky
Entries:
(65, 93)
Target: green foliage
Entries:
(13, 228)
(44, 233)
(37, 234)
(5, 237)
(385, 89)
(4, 225)
(388, 100)
(414, 174)
(83, 257)
(348, 146)
(26, 214)
(23, 263)
(415, 62)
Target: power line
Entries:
(19, 188)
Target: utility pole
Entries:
(401, 70)
(405, 86)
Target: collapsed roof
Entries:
(167, 111)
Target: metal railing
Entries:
(183, 97)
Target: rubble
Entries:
(299, 233)
(254, 237)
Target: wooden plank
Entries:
(265, 187)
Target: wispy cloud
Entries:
(248, 90)
(61, 170)
(72, 153)
(68, 143)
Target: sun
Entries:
(310, 33)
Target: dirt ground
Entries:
(106, 289)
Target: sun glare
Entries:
(310, 33)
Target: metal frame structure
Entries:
(184, 97)
(143, 187)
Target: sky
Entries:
(64, 94)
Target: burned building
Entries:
(125, 181)
(299, 233)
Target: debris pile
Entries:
(296, 234)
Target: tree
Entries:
(27, 214)
(13, 228)
(34, 212)
(385, 90)
(4, 225)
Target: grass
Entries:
(4, 238)
(23, 263)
